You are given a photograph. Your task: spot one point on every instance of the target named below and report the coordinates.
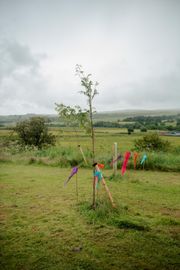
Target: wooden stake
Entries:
(76, 187)
(108, 192)
(106, 187)
(80, 148)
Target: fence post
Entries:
(115, 159)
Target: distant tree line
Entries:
(164, 122)
(144, 123)
(107, 124)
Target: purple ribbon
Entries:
(118, 158)
(73, 172)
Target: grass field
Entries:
(44, 227)
(66, 153)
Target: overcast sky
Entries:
(131, 47)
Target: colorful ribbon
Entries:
(99, 176)
(126, 158)
(101, 166)
(135, 156)
(144, 158)
(73, 172)
(118, 158)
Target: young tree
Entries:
(73, 116)
(79, 117)
(90, 92)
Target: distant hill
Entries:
(11, 120)
(120, 115)
(111, 116)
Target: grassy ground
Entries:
(66, 153)
(43, 226)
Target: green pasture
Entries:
(104, 140)
(66, 153)
(43, 226)
(104, 136)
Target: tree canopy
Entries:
(34, 132)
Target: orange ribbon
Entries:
(135, 156)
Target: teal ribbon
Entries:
(98, 174)
(144, 158)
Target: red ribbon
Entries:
(126, 158)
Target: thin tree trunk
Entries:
(92, 132)
(93, 152)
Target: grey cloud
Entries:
(15, 57)
(161, 91)
(21, 81)
(130, 47)
(153, 92)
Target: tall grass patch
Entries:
(67, 154)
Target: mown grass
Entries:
(44, 227)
